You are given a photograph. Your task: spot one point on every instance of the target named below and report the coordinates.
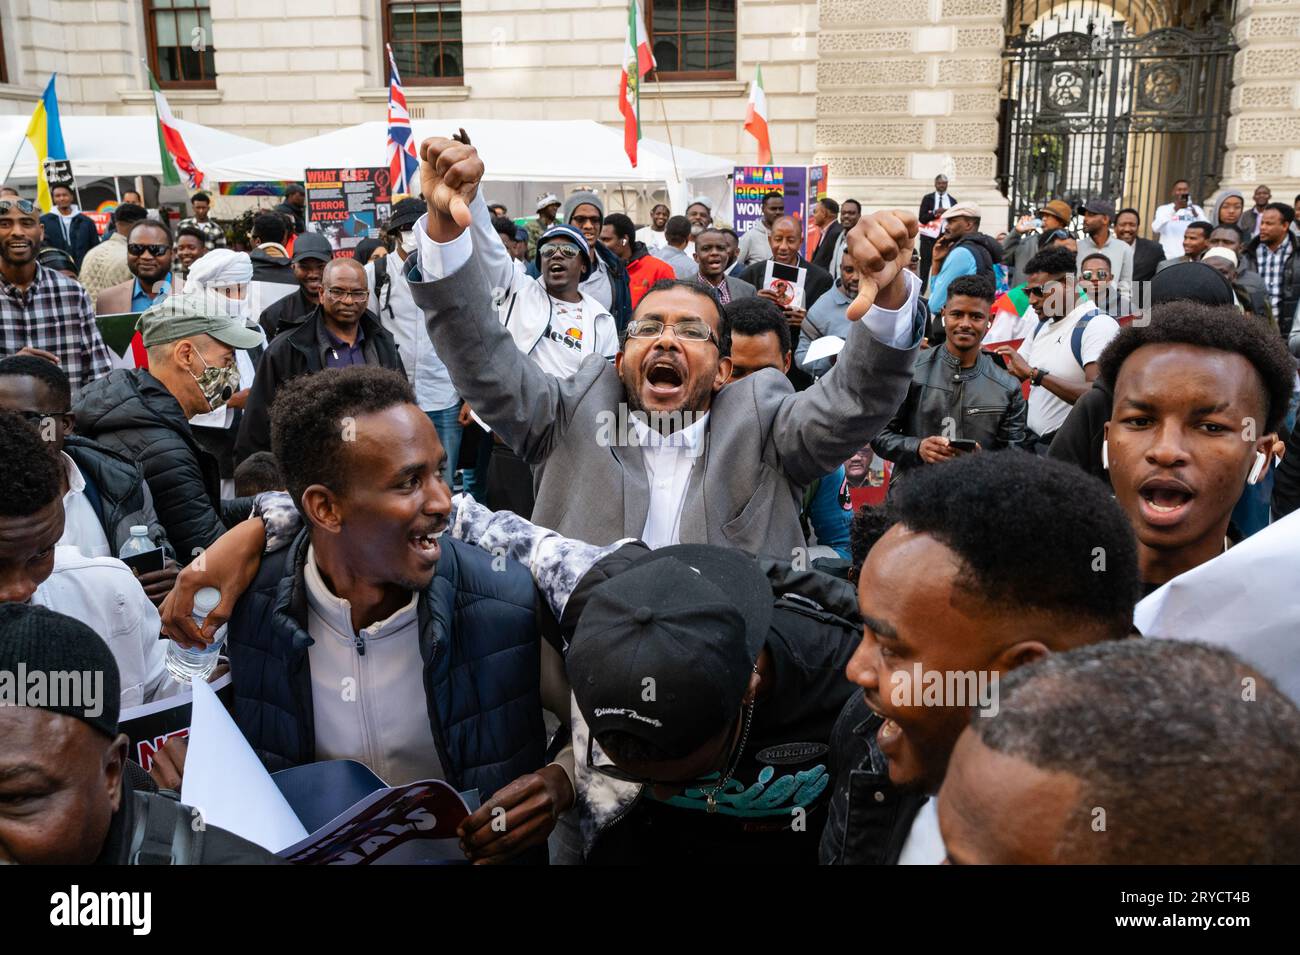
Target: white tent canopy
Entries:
(513, 151)
(103, 146)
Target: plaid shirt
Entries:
(215, 238)
(54, 313)
(1272, 268)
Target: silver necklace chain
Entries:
(711, 794)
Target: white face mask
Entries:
(408, 241)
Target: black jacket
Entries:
(299, 216)
(984, 403)
(84, 235)
(825, 251)
(1286, 479)
(117, 491)
(300, 350)
(1078, 440)
(131, 412)
(869, 819)
(926, 212)
(816, 283)
(1147, 256)
(1290, 282)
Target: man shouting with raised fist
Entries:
(654, 446)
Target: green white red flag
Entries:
(637, 62)
(174, 156)
(756, 118)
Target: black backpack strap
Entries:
(164, 833)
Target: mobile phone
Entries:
(149, 562)
(962, 444)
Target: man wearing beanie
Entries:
(65, 761)
(608, 282)
(145, 414)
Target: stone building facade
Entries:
(887, 93)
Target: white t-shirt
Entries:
(559, 351)
(1049, 350)
(81, 526)
(652, 239)
(924, 844)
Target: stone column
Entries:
(1264, 128)
(897, 106)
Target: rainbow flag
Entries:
(46, 136)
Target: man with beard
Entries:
(604, 473)
(1196, 239)
(1156, 733)
(712, 251)
(311, 253)
(1098, 214)
(1199, 395)
(700, 215)
(961, 250)
(439, 638)
(987, 564)
(339, 333)
(44, 313)
(149, 258)
(1244, 274)
(652, 235)
(959, 394)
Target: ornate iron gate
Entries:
(1092, 109)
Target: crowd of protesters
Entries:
(660, 557)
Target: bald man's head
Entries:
(344, 292)
(785, 238)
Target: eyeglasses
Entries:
(1042, 291)
(23, 205)
(139, 248)
(351, 295)
(688, 331)
(553, 249)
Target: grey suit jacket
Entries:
(764, 442)
(739, 288)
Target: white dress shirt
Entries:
(102, 593)
(669, 460)
(81, 526)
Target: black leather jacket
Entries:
(984, 403)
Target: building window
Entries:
(694, 39)
(180, 43)
(426, 42)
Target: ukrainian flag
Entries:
(46, 136)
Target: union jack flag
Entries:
(403, 164)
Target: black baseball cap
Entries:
(312, 245)
(405, 213)
(691, 618)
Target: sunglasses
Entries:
(1042, 291)
(139, 248)
(565, 249)
(690, 331)
(1100, 275)
(23, 205)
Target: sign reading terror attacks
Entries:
(348, 205)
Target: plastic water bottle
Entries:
(137, 543)
(185, 664)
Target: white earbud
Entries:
(1257, 469)
(1105, 455)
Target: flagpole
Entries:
(672, 153)
(14, 161)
